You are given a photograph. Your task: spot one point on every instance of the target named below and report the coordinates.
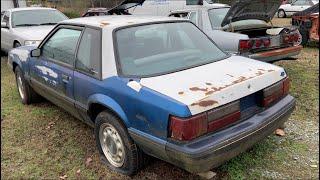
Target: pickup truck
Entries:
(154, 86)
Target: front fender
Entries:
(110, 104)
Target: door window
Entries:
(62, 45)
(5, 18)
(301, 3)
(89, 53)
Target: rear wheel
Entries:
(117, 149)
(281, 14)
(27, 94)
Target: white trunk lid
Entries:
(205, 87)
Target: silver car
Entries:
(27, 26)
(243, 29)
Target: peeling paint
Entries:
(104, 23)
(47, 71)
(134, 85)
(198, 89)
(205, 103)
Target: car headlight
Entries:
(31, 42)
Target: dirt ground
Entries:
(41, 141)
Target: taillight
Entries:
(275, 92)
(290, 38)
(266, 42)
(188, 128)
(258, 43)
(185, 129)
(223, 116)
(245, 45)
(253, 43)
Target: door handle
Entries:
(65, 78)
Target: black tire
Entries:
(29, 95)
(281, 13)
(305, 36)
(134, 158)
(16, 44)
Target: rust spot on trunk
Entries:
(181, 92)
(209, 84)
(259, 73)
(230, 75)
(209, 92)
(271, 70)
(261, 69)
(198, 89)
(239, 80)
(205, 103)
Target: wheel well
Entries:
(15, 41)
(96, 108)
(14, 65)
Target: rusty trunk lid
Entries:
(205, 87)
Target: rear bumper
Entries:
(214, 149)
(277, 54)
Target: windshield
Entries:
(216, 17)
(156, 49)
(36, 17)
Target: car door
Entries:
(87, 74)
(5, 32)
(52, 73)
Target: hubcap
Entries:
(20, 86)
(111, 145)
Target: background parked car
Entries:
(243, 29)
(287, 10)
(308, 23)
(104, 12)
(27, 26)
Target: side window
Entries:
(301, 3)
(62, 45)
(5, 18)
(89, 53)
(193, 17)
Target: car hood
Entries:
(205, 87)
(251, 9)
(34, 32)
(126, 4)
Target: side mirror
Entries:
(35, 53)
(4, 25)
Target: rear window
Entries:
(157, 49)
(216, 17)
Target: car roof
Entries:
(30, 8)
(114, 21)
(204, 7)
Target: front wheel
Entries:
(281, 14)
(27, 94)
(115, 146)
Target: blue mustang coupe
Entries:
(154, 86)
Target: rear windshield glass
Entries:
(156, 49)
(216, 17)
(36, 17)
